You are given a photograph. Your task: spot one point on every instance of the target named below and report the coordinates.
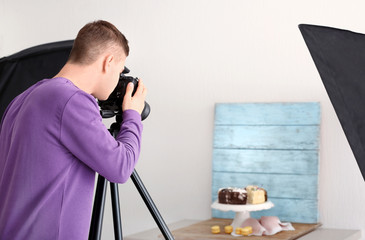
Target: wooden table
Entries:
(190, 230)
(202, 231)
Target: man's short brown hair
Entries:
(93, 39)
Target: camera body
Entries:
(113, 105)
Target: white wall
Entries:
(192, 54)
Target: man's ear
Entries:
(108, 60)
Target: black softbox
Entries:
(339, 56)
(21, 70)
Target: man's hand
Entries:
(137, 101)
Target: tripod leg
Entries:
(98, 209)
(116, 211)
(151, 206)
(99, 202)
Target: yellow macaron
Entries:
(215, 229)
(246, 231)
(228, 229)
(238, 230)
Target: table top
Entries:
(202, 231)
(318, 233)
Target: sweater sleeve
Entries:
(86, 137)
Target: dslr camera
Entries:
(113, 105)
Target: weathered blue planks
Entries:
(266, 137)
(273, 145)
(267, 113)
(265, 161)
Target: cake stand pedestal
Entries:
(242, 212)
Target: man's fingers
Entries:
(135, 102)
(129, 90)
(141, 87)
(144, 92)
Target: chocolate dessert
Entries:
(232, 196)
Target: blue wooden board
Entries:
(267, 113)
(265, 161)
(275, 146)
(266, 137)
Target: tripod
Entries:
(99, 201)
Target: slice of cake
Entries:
(232, 196)
(256, 195)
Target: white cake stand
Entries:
(242, 212)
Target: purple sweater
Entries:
(52, 141)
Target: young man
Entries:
(52, 141)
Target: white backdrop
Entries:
(192, 54)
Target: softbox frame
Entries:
(23, 69)
(339, 56)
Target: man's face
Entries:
(117, 70)
(112, 76)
